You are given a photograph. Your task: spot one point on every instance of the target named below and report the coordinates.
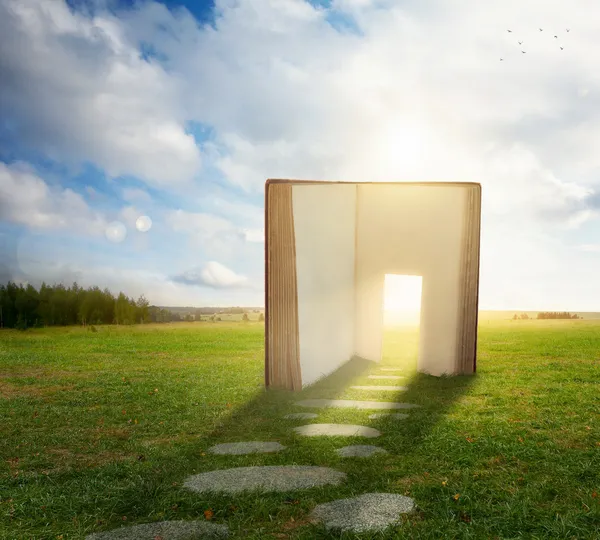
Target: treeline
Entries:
(557, 315)
(212, 310)
(548, 315)
(56, 305)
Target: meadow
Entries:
(100, 429)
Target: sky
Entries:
(136, 137)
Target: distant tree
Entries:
(524, 316)
(245, 317)
(125, 310)
(44, 305)
(142, 311)
(261, 317)
(515, 317)
(26, 304)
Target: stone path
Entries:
(353, 404)
(360, 450)
(382, 388)
(370, 512)
(390, 416)
(390, 369)
(166, 530)
(252, 447)
(336, 430)
(269, 478)
(301, 416)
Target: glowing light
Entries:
(402, 299)
(115, 232)
(143, 224)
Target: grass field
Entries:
(100, 430)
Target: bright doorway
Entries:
(401, 320)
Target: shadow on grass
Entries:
(155, 492)
(264, 415)
(262, 419)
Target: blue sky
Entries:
(112, 111)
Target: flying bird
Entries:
(523, 52)
(541, 30)
(561, 48)
(568, 30)
(501, 59)
(555, 37)
(520, 43)
(509, 30)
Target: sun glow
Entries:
(402, 299)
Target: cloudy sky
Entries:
(113, 110)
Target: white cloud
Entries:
(198, 223)
(222, 288)
(212, 274)
(217, 236)
(129, 215)
(27, 199)
(589, 248)
(136, 195)
(255, 235)
(250, 214)
(77, 89)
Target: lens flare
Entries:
(116, 232)
(143, 224)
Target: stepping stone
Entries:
(354, 404)
(360, 450)
(366, 513)
(390, 416)
(252, 447)
(382, 388)
(301, 416)
(336, 430)
(385, 377)
(166, 530)
(270, 478)
(390, 369)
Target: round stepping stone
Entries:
(353, 404)
(269, 478)
(389, 416)
(382, 388)
(336, 430)
(301, 416)
(366, 513)
(360, 450)
(251, 447)
(166, 530)
(390, 377)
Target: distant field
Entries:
(497, 315)
(99, 429)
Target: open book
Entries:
(328, 246)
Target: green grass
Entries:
(100, 429)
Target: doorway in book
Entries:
(401, 323)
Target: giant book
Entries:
(328, 247)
